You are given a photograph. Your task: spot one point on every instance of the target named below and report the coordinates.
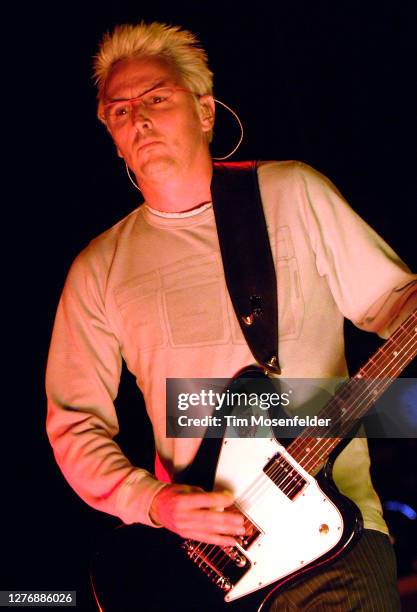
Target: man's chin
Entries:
(155, 167)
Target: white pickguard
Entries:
(292, 530)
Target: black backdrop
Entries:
(328, 83)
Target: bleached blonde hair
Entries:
(180, 47)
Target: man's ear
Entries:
(119, 153)
(207, 112)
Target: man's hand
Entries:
(193, 513)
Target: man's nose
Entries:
(139, 115)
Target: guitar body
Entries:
(142, 568)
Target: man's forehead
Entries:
(133, 76)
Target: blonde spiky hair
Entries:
(178, 46)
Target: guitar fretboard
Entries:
(355, 396)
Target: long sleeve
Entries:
(370, 284)
(82, 381)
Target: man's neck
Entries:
(181, 192)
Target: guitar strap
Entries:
(251, 281)
(247, 257)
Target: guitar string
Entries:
(370, 400)
(404, 358)
(219, 551)
(301, 440)
(314, 441)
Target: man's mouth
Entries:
(145, 145)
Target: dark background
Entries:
(328, 83)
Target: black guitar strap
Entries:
(247, 257)
(251, 281)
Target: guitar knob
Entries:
(323, 529)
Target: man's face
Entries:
(163, 138)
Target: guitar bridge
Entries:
(233, 553)
(209, 558)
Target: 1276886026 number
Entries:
(37, 598)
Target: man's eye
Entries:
(156, 99)
(120, 111)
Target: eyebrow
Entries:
(159, 83)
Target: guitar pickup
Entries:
(285, 476)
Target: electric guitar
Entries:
(296, 520)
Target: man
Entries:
(151, 290)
